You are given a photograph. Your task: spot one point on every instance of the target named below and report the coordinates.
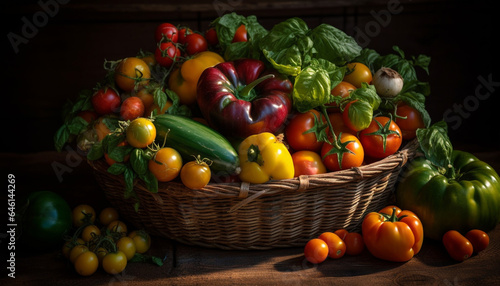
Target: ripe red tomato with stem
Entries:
(211, 37)
(350, 154)
(166, 31)
(336, 246)
(301, 131)
(183, 32)
(382, 138)
(166, 54)
(409, 120)
(106, 101)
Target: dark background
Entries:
(66, 53)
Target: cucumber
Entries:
(192, 138)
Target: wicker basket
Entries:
(285, 213)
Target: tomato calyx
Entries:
(392, 217)
(384, 131)
(339, 148)
(254, 155)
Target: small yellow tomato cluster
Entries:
(105, 241)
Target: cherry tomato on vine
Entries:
(411, 121)
(195, 174)
(340, 91)
(118, 226)
(108, 215)
(114, 262)
(457, 246)
(167, 54)
(479, 239)
(354, 243)
(183, 32)
(86, 264)
(147, 98)
(83, 214)
(195, 43)
(101, 252)
(141, 239)
(166, 164)
(382, 138)
(241, 34)
(211, 36)
(141, 132)
(76, 251)
(358, 73)
(307, 163)
(353, 158)
(131, 74)
(68, 246)
(300, 134)
(168, 31)
(90, 232)
(126, 245)
(336, 246)
(106, 101)
(132, 108)
(316, 250)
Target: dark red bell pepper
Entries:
(243, 97)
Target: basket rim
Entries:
(301, 183)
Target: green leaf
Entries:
(129, 177)
(367, 93)
(435, 144)
(150, 181)
(117, 168)
(61, 137)
(138, 257)
(138, 162)
(360, 114)
(311, 89)
(96, 151)
(334, 45)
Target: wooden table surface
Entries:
(190, 265)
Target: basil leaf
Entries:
(117, 168)
(96, 151)
(436, 145)
(287, 61)
(311, 89)
(360, 114)
(138, 162)
(367, 93)
(129, 177)
(334, 45)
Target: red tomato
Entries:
(166, 54)
(211, 36)
(458, 247)
(166, 30)
(106, 101)
(195, 43)
(338, 124)
(183, 32)
(351, 159)
(316, 251)
(307, 163)
(479, 239)
(382, 138)
(341, 233)
(358, 73)
(241, 34)
(336, 246)
(299, 132)
(411, 123)
(132, 108)
(354, 243)
(88, 115)
(341, 90)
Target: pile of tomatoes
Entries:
(333, 245)
(383, 137)
(102, 241)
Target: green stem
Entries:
(327, 118)
(245, 92)
(254, 155)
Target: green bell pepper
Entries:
(461, 196)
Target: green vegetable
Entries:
(449, 189)
(43, 220)
(191, 138)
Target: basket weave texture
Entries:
(284, 213)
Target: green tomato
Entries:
(463, 200)
(45, 218)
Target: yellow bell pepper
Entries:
(264, 157)
(183, 80)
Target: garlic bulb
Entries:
(387, 82)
